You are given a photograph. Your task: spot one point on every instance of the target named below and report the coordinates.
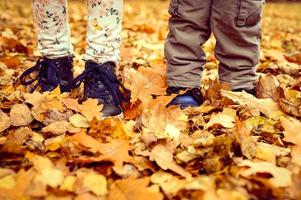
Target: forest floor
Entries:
(234, 146)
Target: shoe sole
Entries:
(120, 116)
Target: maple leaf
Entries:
(90, 109)
(134, 189)
(35, 98)
(116, 151)
(164, 158)
(144, 83)
(72, 104)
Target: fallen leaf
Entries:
(79, 121)
(90, 181)
(164, 158)
(265, 106)
(281, 177)
(267, 86)
(48, 174)
(246, 142)
(57, 128)
(20, 115)
(134, 189)
(226, 119)
(90, 109)
(4, 121)
(116, 151)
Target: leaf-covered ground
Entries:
(234, 146)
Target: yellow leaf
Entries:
(79, 121)
(68, 184)
(7, 182)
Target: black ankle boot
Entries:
(101, 83)
(49, 74)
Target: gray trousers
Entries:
(236, 25)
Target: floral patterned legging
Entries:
(103, 33)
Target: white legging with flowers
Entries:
(103, 34)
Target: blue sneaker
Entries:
(191, 98)
(101, 83)
(49, 74)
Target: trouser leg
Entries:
(189, 29)
(104, 30)
(53, 30)
(236, 24)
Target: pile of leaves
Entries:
(234, 146)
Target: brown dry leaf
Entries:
(294, 58)
(243, 135)
(291, 69)
(292, 134)
(266, 106)
(6, 75)
(20, 115)
(35, 98)
(87, 141)
(226, 119)
(144, 83)
(57, 128)
(290, 101)
(156, 118)
(267, 86)
(134, 189)
(164, 158)
(292, 130)
(116, 151)
(4, 121)
(281, 177)
(296, 85)
(71, 104)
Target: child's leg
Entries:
(237, 28)
(189, 29)
(53, 30)
(104, 30)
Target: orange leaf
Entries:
(164, 158)
(134, 189)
